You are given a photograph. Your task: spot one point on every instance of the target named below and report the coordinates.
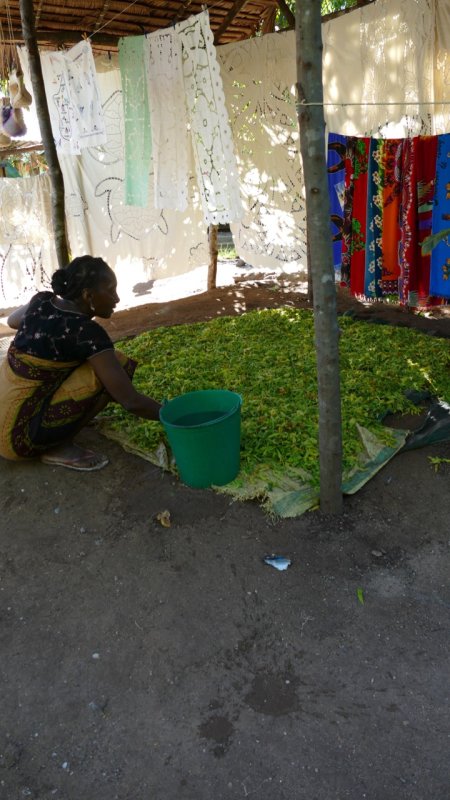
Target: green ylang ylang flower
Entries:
(269, 358)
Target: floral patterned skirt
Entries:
(42, 403)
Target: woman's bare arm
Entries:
(112, 375)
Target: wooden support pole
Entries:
(312, 147)
(213, 253)
(56, 178)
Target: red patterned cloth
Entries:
(390, 235)
(426, 175)
(359, 216)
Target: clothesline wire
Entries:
(301, 103)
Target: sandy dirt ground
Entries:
(143, 662)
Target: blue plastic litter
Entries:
(279, 562)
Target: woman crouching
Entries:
(61, 369)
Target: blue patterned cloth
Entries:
(440, 255)
(372, 275)
(336, 189)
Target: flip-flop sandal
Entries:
(77, 464)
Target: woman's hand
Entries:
(116, 382)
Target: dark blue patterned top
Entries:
(56, 335)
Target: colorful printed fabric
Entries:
(374, 256)
(389, 190)
(426, 173)
(359, 216)
(336, 190)
(42, 402)
(390, 237)
(407, 281)
(440, 255)
(138, 146)
(348, 210)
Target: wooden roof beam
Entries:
(233, 12)
(65, 37)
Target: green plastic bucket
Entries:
(204, 432)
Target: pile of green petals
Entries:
(269, 358)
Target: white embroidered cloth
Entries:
(142, 244)
(215, 159)
(169, 122)
(259, 77)
(27, 252)
(382, 57)
(73, 98)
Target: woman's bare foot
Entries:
(72, 456)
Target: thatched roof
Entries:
(61, 22)
(64, 22)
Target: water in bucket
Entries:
(204, 432)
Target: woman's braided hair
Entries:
(84, 272)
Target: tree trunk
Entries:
(312, 147)
(56, 178)
(213, 253)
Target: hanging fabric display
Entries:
(408, 224)
(142, 244)
(391, 152)
(373, 261)
(259, 78)
(426, 172)
(215, 160)
(348, 210)
(169, 123)
(27, 251)
(397, 194)
(336, 188)
(359, 215)
(73, 99)
(138, 145)
(440, 255)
